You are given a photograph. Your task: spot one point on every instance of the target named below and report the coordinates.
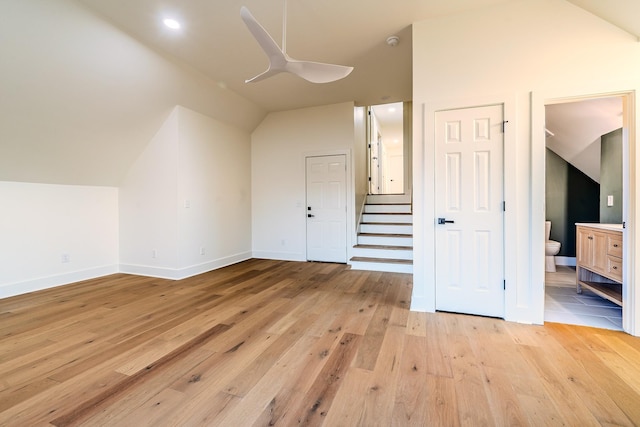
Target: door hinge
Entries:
(504, 206)
(369, 179)
(504, 123)
(504, 284)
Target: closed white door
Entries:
(470, 211)
(326, 209)
(396, 174)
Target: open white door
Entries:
(470, 211)
(326, 209)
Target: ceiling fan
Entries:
(279, 61)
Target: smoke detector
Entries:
(393, 41)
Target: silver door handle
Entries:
(444, 221)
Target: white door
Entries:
(396, 174)
(470, 211)
(326, 209)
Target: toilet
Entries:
(551, 249)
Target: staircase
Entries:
(385, 235)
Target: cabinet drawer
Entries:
(614, 268)
(614, 246)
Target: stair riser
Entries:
(385, 241)
(375, 266)
(387, 209)
(388, 198)
(386, 229)
(382, 253)
(408, 218)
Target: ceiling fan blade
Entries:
(279, 61)
(317, 72)
(268, 73)
(261, 35)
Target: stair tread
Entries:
(386, 213)
(385, 247)
(387, 204)
(385, 235)
(382, 260)
(386, 223)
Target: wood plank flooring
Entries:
(283, 343)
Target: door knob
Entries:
(444, 221)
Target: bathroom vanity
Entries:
(599, 260)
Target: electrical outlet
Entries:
(154, 253)
(65, 258)
(609, 200)
(202, 251)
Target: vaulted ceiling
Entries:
(87, 83)
(214, 40)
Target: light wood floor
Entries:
(283, 343)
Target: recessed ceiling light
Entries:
(172, 23)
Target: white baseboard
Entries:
(280, 256)
(41, 283)
(183, 273)
(566, 260)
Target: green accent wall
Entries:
(611, 177)
(571, 196)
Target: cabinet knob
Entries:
(615, 267)
(615, 245)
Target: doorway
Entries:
(583, 184)
(386, 149)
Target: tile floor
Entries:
(564, 305)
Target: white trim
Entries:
(183, 273)
(631, 181)
(42, 283)
(280, 256)
(566, 260)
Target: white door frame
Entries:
(350, 203)
(630, 211)
(423, 157)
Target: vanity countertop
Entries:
(612, 227)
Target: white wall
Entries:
(278, 148)
(501, 55)
(149, 206)
(188, 192)
(40, 222)
(214, 178)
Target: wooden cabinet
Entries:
(599, 260)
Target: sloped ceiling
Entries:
(576, 127)
(624, 14)
(82, 93)
(215, 41)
